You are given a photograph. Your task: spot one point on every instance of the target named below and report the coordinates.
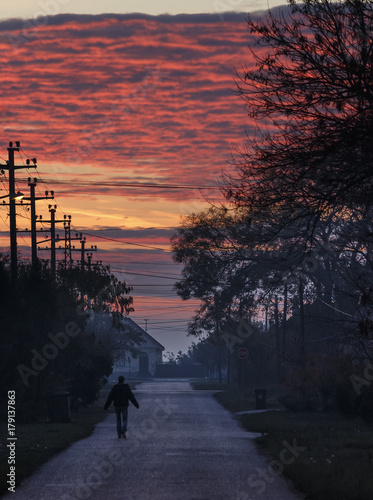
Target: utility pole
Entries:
(278, 342)
(284, 330)
(217, 304)
(34, 254)
(67, 248)
(33, 198)
(12, 214)
(53, 221)
(302, 326)
(11, 167)
(89, 259)
(67, 226)
(52, 211)
(83, 251)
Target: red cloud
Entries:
(110, 103)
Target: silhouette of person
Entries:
(121, 394)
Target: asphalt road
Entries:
(182, 445)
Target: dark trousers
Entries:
(122, 416)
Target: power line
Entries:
(160, 322)
(169, 328)
(152, 275)
(165, 294)
(167, 275)
(120, 241)
(114, 184)
(39, 176)
(150, 185)
(152, 315)
(150, 284)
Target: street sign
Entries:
(242, 353)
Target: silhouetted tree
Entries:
(310, 92)
(43, 345)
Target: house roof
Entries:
(103, 321)
(150, 341)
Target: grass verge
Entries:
(203, 384)
(333, 455)
(38, 442)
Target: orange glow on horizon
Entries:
(107, 105)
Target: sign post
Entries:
(242, 354)
(211, 365)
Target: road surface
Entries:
(182, 445)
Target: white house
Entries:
(144, 365)
(142, 362)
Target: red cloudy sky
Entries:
(132, 119)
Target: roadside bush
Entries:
(91, 370)
(300, 400)
(345, 398)
(352, 400)
(39, 352)
(365, 404)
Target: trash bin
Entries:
(260, 399)
(59, 407)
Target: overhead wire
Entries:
(56, 202)
(32, 175)
(6, 188)
(1, 204)
(153, 275)
(150, 185)
(163, 294)
(121, 241)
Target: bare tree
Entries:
(311, 93)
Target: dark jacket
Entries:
(120, 394)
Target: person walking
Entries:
(121, 394)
